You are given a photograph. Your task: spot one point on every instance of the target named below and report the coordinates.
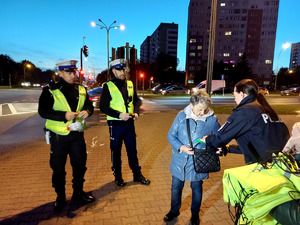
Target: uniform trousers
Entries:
(62, 146)
(119, 133)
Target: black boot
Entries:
(138, 176)
(141, 179)
(61, 197)
(118, 177)
(81, 196)
(120, 182)
(60, 202)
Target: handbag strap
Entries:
(189, 132)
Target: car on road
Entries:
(263, 90)
(291, 91)
(158, 88)
(175, 90)
(227, 90)
(94, 95)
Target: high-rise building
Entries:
(242, 26)
(163, 40)
(295, 56)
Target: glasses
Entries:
(120, 68)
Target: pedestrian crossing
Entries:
(9, 109)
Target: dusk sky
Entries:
(47, 31)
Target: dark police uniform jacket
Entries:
(254, 131)
(71, 93)
(106, 98)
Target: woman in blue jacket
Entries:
(202, 122)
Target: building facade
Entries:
(163, 40)
(295, 56)
(242, 26)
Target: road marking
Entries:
(12, 109)
(18, 108)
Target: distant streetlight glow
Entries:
(122, 27)
(284, 46)
(28, 66)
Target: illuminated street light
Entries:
(122, 27)
(284, 46)
(28, 66)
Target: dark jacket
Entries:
(70, 92)
(255, 133)
(106, 98)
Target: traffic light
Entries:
(142, 75)
(86, 51)
(89, 77)
(81, 72)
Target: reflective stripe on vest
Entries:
(117, 102)
(61, 104)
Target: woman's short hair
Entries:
(247, 86)
(200, 97)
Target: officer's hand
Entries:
(124, 116)
(70, 115)
(136, 116)
(83, 114)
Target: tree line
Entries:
(162, 70)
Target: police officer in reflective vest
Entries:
(65, 105)
(120, 103)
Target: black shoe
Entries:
(195, 219)
(141, 179)
(170, 216)
(82, 197)
(120, 182)
(60, 203)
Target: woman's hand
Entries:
(186, 149)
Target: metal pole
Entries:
(80, 79)
(24, 74)
(107, 78)
(143, 84)
(277, 70)
(136, 80)
(210, 62)
(127, 61)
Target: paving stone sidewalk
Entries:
(26, 195)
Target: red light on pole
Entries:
(142, 75)
(81, 72)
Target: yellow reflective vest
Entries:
(117, 102)
(258, 190)
(61, 104)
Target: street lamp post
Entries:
(122, 27)
(284, 46)
(28, 65)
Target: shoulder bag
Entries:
(205, 160)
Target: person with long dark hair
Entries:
(257, 128)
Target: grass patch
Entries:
(279, 109)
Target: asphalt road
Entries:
(21, 124)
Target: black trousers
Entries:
(62, 146)
(119, 133)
